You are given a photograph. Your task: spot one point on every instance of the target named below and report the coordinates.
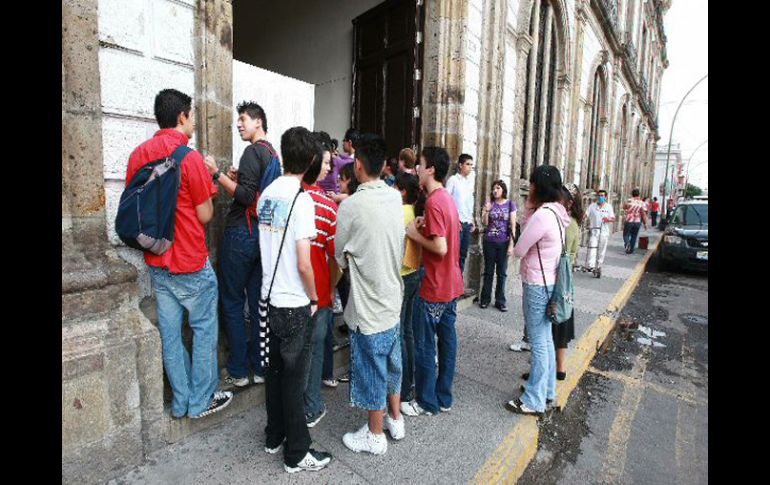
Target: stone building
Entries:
(515, 83)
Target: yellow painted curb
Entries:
(510, 459)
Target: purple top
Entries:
(499, 227)
(332, 180)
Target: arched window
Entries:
(595, 135)
(540, 95)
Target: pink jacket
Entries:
(540, 227)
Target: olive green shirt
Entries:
(573, 240)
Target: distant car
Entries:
(686, 236)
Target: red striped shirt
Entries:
(322, 247)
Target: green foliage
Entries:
(692, 190)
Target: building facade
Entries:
(515, 83)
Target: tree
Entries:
(692, 190)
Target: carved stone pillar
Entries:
(112, 399)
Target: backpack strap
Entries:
(561, 235)
(283, 238)
(180, 153)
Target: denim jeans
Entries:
(314, 403)
(495, 258)
(654, 217)
(411, 287)
(542, 375)
(285, 380)
(465, 242)
(328, 363)
(375, 368)
(193, 382)
(630, 232)
(240, 278)
(433, 320)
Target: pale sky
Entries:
(686, 27)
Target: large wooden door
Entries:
(387, 67)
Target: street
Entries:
(640, 412)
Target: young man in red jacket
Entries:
(182, 276)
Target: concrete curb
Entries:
(508, 462)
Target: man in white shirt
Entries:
(460, 186)
(286, 227)
(600, 216)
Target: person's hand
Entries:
(510, 250)
(411, 230)
(605, 219)
(313, 309)
(488, 206)
(419, 221)
(232, 174)
(473, 226)
(211, 164)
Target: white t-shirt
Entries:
(274, 204)
(461, 189)
(596, 213)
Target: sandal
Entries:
(560, 376)
(516, 406)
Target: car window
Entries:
(691, 215)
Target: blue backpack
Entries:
(147, 210)
(271, 172)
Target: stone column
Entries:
(519, 186)
(214, 99)
(574, 95)
(111, 358)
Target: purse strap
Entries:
(563, 251)
(283, 238)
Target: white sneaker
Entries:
(330, 382)
(444, 410)
(520, 347)
(396, 428)
(411, 408)
(365, 440)
(236, 381)
(275, 450)
(258, 379)
(313, 461)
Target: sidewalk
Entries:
(478, 440)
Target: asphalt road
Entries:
(640, 413)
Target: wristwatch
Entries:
(216, 176)
(313, 302)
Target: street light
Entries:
(668, 153)
(687, 170)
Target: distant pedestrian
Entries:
(499, 218)
(461, 186)
(654, 210)
(540, 246)
(330, 183)
(600, 219)
(635, 217)
(406, 161)
(389, 171)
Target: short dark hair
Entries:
(299, 150)
(370, 149)
(601, 191)
(351, 135)
(654, 198)
(392, 164)
(410, 184)
(311, 176)
(348, 172)
(500, 184)
(547, 182)
(463, 158)
(437, 158)
(168, 104)
(635, 193)
(335, 144)
(254, 111)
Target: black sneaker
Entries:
(501, 307)
(219, 401)
(312, 462)
(344, 378)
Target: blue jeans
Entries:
(630, 232)
(314, 403)
(193, 382)
(465, 242)
(240, 279)
(432, 320)
(375, 368)
(495, 257)
(542, 375)
(411, 287)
